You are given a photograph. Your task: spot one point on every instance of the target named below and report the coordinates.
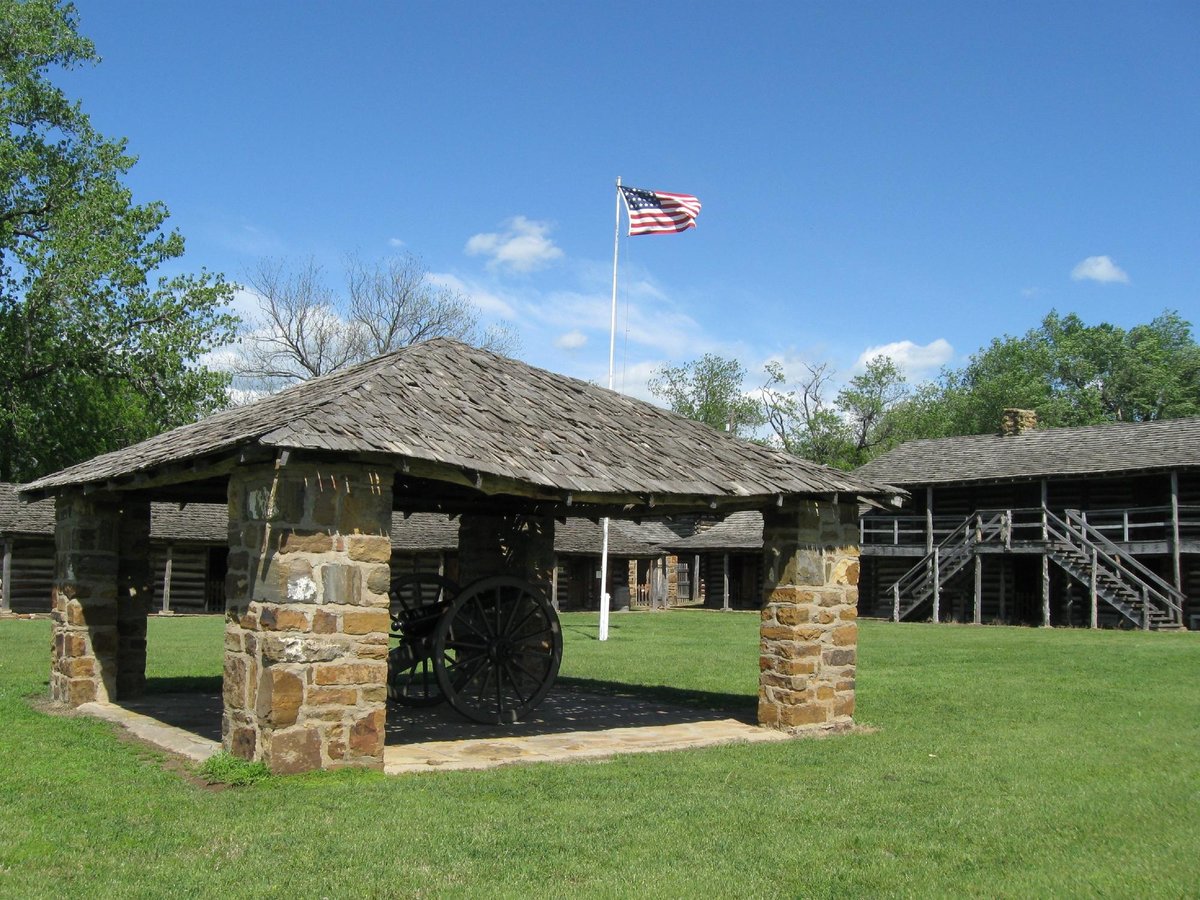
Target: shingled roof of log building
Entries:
(198, 522)
(738, 531)
(1091, 450)
(447, 408)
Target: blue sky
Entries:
(923, 176)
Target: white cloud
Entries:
(395, 242)
(523, 246)
(915, 360)
(1031, 292)
(572, 340)
(1101, 269)
(245, 303)
(488, 303)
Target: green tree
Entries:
(801, 421)
(862, 422)
(871, 406)
(709, 390)
(97, 348)
(1072, 374)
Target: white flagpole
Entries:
(612, 349)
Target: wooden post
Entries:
(166, 590)
(1145, 610)
(1045, 589)
(696, 577)
(1095, 621)
(442, 565)
(1045, 558)
(553, 579)
(1125, 526)
(978, 589)
(1008, 522)
(1175, 560)
(937, 587)
(929, 542)
(6, 579)
(896, 602)
(725, 581)
(1003, 586)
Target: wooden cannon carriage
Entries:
(491, 650)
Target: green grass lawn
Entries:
(1007, 762)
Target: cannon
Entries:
(491, 650)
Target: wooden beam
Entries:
(553, 582)
(1003, 588)
(725, 581)
(978, 618)
(1045, 589)
(1176, 562)
(1095, 608)
(929, 520)
(166, 589)
(6, 578)
(937, 586)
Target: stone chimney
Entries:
(1017, 421)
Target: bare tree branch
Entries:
(304, 329)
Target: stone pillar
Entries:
(809, 633)
(306, 630)
(518, 545)
(101, 578)
(135, 592)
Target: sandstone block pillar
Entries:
(306, 632)
(519, 545)
(809, 632)
(101, 580)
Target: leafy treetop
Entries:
(98, 349)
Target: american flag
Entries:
(656, 212)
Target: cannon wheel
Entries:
(497, 649)
(415, 604)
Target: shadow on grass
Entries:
(738, 706)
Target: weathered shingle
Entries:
(738, 531)
(430, 532)
(1093, 450)
(17, 517)
(451, 404)
(206, 523)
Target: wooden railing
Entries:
(1110, 571)
(1121, 526)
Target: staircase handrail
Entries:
(1079, 531)
(955, 545)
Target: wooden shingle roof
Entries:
(206, 523)
(1092, 450)
(24, 518)
(738, 531)
(447, 408)
(428, 532)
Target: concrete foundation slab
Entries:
(569, 726)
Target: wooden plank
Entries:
(6, 579)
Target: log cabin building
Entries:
(1091, 526)
(727, 561)
(188, 554)
(428, 543)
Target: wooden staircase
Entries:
(1109, 572)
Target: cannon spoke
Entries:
(497, 650)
